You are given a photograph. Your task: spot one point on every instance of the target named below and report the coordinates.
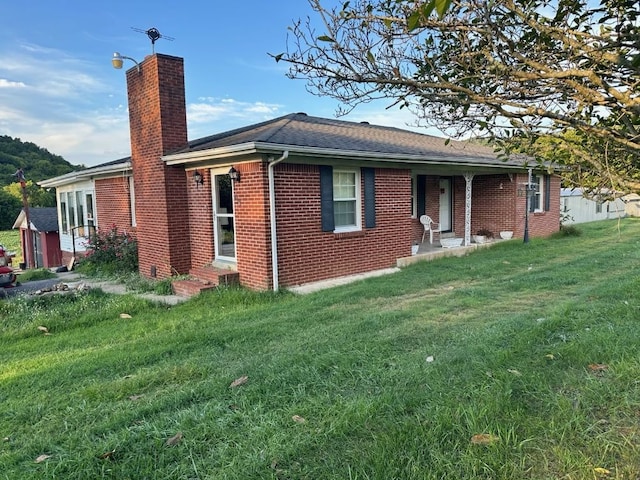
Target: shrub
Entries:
(111, 251)
(567, 231)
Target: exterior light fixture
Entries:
(234, 174)
(198, 179)
(118, 60)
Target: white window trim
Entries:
(132, 202)
(358, 200)
(414, 195)
(539, 193)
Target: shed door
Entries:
(224, 233)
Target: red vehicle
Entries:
(7, 277)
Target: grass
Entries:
(36, 274)
(535, 346)
(10, 239)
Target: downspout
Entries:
(272, 217)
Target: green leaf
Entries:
(413, 21)
(428, 8)
(370, 57)
(442, 6)
(325, 38)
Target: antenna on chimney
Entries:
(153, 35)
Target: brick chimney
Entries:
(158, 124)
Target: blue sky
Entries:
(58, 89)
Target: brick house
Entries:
(292, 200)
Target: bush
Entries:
(111, 251)
(567, 231)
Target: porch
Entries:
(428, 251)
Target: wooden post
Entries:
(29, 254)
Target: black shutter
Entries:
(547, 192)
(326, 198)
(369, 175)
(421, 191)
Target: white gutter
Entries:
(458, 157)
(272, 218)
(73, 177)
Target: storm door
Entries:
(224, 233)
(445, 204)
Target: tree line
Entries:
(37, 164)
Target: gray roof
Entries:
(307, 132)
(107, 168)
(43, 219)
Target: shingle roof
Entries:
(44, 219)
(301, 130)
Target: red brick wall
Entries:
(495, 206)
(113, 204)
(541, 224)
(253, 228)
(200, 219)
(308, 254)
(493, 203)
(157, 117)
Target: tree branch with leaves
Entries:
(514, 71)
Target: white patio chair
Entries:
(429, 226)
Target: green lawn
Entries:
(10, 239)
(515, 362)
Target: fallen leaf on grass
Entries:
(430, 359)
(514, 371)
(298, 418)
(598, 367)
(43, 329)
(42, 458)
(108, 455)
(484, 439)
(239, 381)
(550, 356)
(174, 440)
(135, 398)
(125, 315)
(601, 471)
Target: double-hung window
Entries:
(346, 200)
(345, 195)
(541, 195)
(537, 196)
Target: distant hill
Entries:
(37, 163)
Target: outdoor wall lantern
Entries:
(118, 60)
(234, 174)
(198, 179)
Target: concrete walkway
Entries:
(73, 280)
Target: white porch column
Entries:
(468, 177)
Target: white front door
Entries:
(223, 218)
(445, 205)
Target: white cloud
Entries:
(63, 104)
(4, 83)
(212, 115)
